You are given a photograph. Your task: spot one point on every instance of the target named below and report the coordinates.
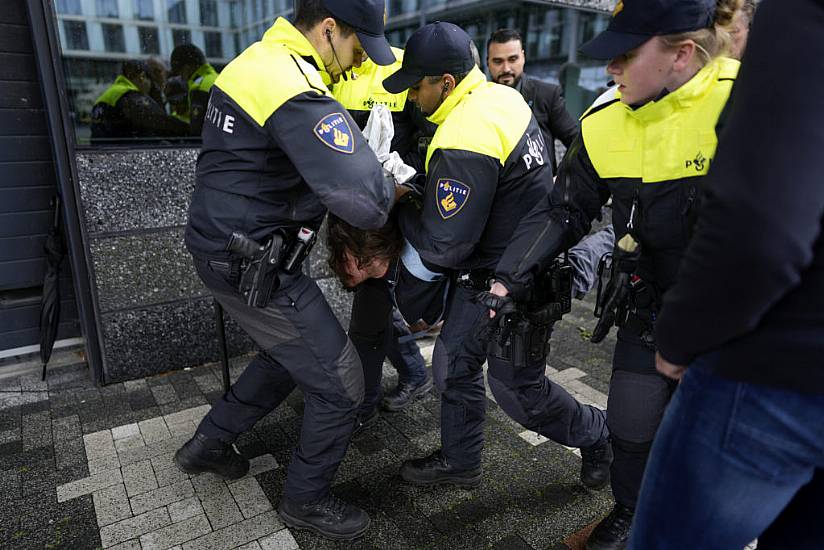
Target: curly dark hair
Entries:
(363, 244)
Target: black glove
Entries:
(501, 305)
(617, 292)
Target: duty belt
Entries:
(475, 279)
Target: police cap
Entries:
(434, 49)
(367, 18)
(636, 21)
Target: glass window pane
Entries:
(208, 13)
(113, 40)
(68, 7)
(107, 8)
(214, 44)
(149, 42)
(144, 9)
(181, 36)
(76, 37)
(176, 11)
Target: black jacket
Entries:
(751, 286)
(548, 106)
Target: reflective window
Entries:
(208, 13)
(214, 44)
(144, 9)
(68, 7)
(107, 8)
(176, 11)
(181, 36)
(113, 39)
(149, 40)
(76, 37)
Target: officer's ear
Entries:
(328, 27)
(448, 84)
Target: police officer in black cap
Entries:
(278, 152)
(647, 143)
(486, 162)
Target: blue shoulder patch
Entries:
(334, 131)
(451, 196)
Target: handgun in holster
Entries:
(259, 271)
(522, 337)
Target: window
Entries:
(176, 11)
(181, 36)
(149, 42)
(208, 13)
(68, 7)
(214, 44)
(113, 40)
(144, 10)
(76, 37)
(107, 8)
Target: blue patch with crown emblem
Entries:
(334, 131)
(451, 196)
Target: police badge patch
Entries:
(334, 131)
(451, 196)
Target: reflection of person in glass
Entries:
(125, 110)
(189, 63)
(178, 98)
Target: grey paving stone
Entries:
(139, 478)
(127, 430)
(249, 497)
(251, 546)
(185, 509)
(103, 463)
(99, 444)
(154, 430)
(88, 485)
(69, 452)
(168, 476)
(16, 399)
(131, 456)
(282, 540)
(163, 394)
(221, 508)
(128, 545)
(261, 464)
(111, 505)
(194, 414)
(134, 527)
(8, 436)
(65, 428)
(208, 383)
(36, 430)
(128, 443)
(237, 534)
(32, 382)
(135, 385)
(176, 534)
(162, 496)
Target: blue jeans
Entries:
(732, 462)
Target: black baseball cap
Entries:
(636, 21)
(367, 18)
(434, 49)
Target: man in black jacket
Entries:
(740, 452)
(505, 60)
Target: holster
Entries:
(259, 267)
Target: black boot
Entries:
(363, 422)
(613, 531)
(435, 469)
(201, 454)
(595, 463)
(330, 517)
(404, 394)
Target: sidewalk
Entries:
(84, 467)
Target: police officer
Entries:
(376, 330)
(278, 151)
(486, 161)
(647, 143)
(126, 112)
(189, 63)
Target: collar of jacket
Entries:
(123, 81)
(203, 70)
(283, 32)
(692, 91)
(474, 79)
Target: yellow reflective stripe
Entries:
(203, 79)
(367, 90)
(118, 89)
(265, 76)
(678, 142)
(491, 120)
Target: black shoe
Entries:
(404, 394)
(435, 469)
(362, 423)
(595, 463)
(330, 517)
(201, 454)
(613, 531)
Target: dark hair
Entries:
(309, 13)
(131, 69)
(364, 245)
(502, 36)
(186, 54)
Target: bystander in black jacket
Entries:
(547, 104)
(751, 285)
